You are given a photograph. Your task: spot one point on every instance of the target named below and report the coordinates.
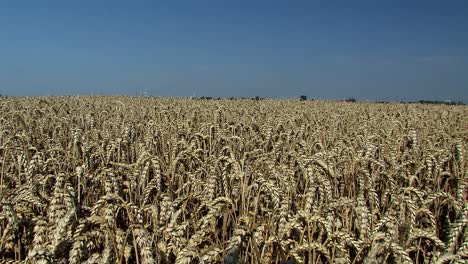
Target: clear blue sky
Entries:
(378, 50)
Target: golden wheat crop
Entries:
(147, 180)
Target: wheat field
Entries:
(152, 180)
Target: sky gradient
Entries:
(376, 50)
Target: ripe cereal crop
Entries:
(161, 180)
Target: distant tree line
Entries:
(256, 98)
(304, 98)
(433, 102)
(447, 102)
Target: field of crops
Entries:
(147, 180)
